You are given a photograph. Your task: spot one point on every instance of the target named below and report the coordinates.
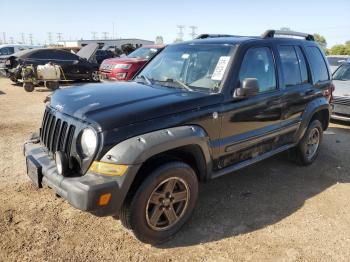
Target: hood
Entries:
(115, 105)
(88, 51)
(125, 60)
(342, 88)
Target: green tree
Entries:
(321, 40)
(341, 49)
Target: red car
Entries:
(125, 68)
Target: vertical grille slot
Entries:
(56, 134)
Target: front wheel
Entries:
(162, 204)
(94, 76)
(309, 146)
(28, 86)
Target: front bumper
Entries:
(83, 192)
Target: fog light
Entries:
(61, 163)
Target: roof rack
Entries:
(203, 36)
(272, 33)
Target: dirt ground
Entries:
(272, 211)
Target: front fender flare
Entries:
(136, 150)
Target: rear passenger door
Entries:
(296, 83)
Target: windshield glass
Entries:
(336, 61)
(194, 67)
(143, 52)
(343, 73)
(7, 50)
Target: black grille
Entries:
(56, 134)
(341, 100)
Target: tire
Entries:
(155, 197)
(29, 87)
(305, 153)
(94, 76)
(52, 85)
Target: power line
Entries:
(49, 34)
(59, 36)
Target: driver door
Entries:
(249, 124)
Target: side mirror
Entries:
(249, 87)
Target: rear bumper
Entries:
(82, 192)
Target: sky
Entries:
(76, 19)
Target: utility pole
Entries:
(193, 33)
(30, 39)
(180, 34)
(105, 35)
(4, 37)
(49, 35)
(94, 35)
(59, 37)
(23, 38)
(11, 40)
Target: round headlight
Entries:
(88, 142)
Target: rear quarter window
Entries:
(318, 64)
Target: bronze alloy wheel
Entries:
(167, 203)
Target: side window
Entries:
(290, 65)
(318, 65)
(258, 63)
(302, 64)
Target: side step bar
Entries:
(249, 162)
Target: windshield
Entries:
(194, 67)
(336, 61)
(343, 73)
(7, 50)
(143, 52)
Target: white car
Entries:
(9, 49)
(336, 60)
(341, 94)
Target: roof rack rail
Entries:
(272, 33)
(203, 36)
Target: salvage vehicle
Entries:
(124, 69)
(336, 60)
(78, 66)
(197, 111)
(341, 95)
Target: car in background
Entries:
(341, 94)
(125, 68)
(8, 49)
(79, 66)
(102, 54)
(336, 60)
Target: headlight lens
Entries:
(88, 142)
(122, 66)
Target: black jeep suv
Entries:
(198, 110)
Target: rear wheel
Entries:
(162, 204)
(308, 147)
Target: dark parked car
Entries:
(75, 66)
(341, 95)
(102, 55)
(198, 110)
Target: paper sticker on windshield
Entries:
(185, 56)
(220, 68)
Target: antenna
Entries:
(94, 35)
(180, 34)
(193, 33)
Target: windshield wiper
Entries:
(149, 82)
(180, 83)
